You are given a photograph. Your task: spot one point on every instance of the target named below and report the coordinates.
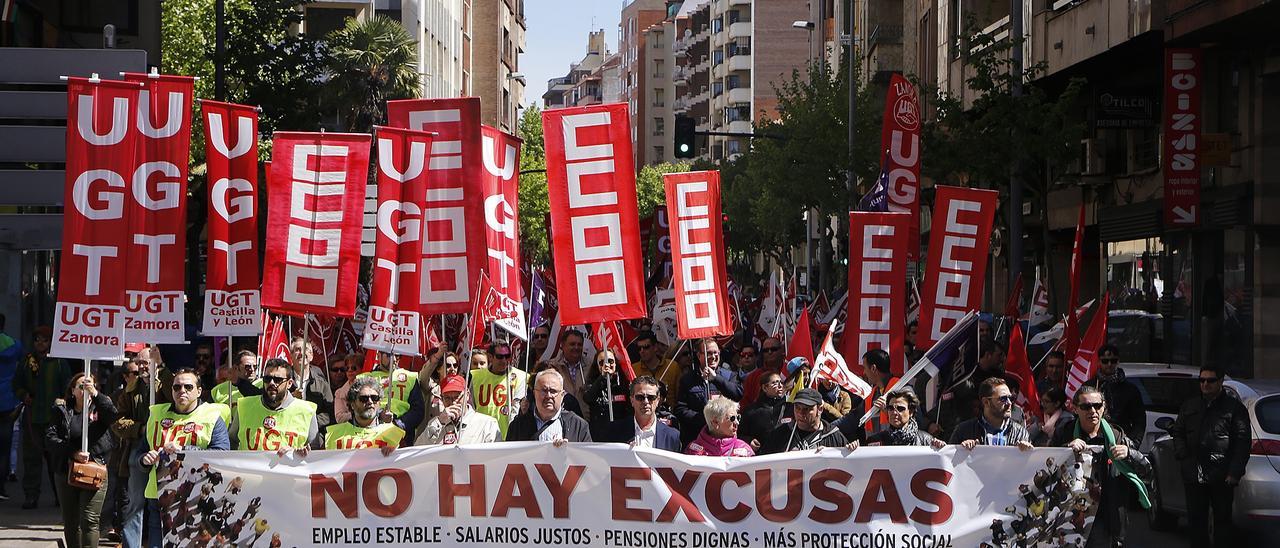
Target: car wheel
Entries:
(1159, 519)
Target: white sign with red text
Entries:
(232, 299)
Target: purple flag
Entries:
(876, 199)
(537, 300)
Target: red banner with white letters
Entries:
(232, 300)
(394, 310)
(453, 253)
(595, 223)
(315, 207)
(959, 238)
(900, 145)
(877, 301)
(102, 152)
(1182, 123)
(499, 180)
(697, 254)
(155, 304)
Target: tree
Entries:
(271, 66)
(650, 191)
(371, 61)
(533, 188)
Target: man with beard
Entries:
(807, 431)
(311, 383)
(497, 387)
(276, 420)
(364, 429)
(458, 424)
(404, 400)
(994, 425)
(572, 364)
(769, 410)
(1123, 399)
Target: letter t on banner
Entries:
(877, 301)
(697, 254)
(595, 226)
(958, 242)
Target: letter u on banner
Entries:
(501, 158)
(232, 299)
(595, 226)
(877, 313)
(697, 254)
(314, 215)
(959, 238)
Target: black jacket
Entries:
(64, 431)
(624, 431)
(1124, 404)
(525, 428)
(973, 429)
(884, 438)
(761, 417)
(788, 438)
(1214, 437)
(598, 404)
(319, 392)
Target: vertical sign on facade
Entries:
(1181, 154)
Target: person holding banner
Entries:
(458, 424)
(277, 420)
(364, 430)
(707, 381)
(405, 402)
(994, 425)
(311, 383)
(80, 507)
(642, 428)
(1127, 409)
(497, 387)
(876, 371)
(242, 380)
(902, 428)
(606, 395)
(547, 419)
(807, 431)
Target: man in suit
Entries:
(312, 382)
(546, 419)
(644, 429)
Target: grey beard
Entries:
(367, 414)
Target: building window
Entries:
(732, 147)
(659, 126)
(734, 82)
(717, 88)
(717, 25)
(658, 153)
(717, 57)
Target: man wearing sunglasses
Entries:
(364, 430)
(994, 424)
(276, 420)
(405, 402)
(1211, 439)
(499, 388)
(772, 355)
(1123, 399)
(643, 429)
(650, 363)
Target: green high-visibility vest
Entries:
(262, 429)
(194, 429)
(397, 389)
(348, 435)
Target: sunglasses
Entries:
(1210, 380)
(645, 397)
(771, 348)
(339, 370)
(369, 398)
(450, 364)
(1091, 406)
(774, 383)
(1110, 361)
(899, 408)
(735, 419)
(644, 347)
(502, 356)
(268, 379)
(541, 336)
(180, 387)
(1002, 399)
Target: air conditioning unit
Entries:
(1093, 157)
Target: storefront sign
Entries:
(1181, 153)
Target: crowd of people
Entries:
(695, 397)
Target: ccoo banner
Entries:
(102, 152)
(900, 140)
(697, 254)
(609, 495)
(877, 297)
(232, 300)
(315, 206)
(595, 225)
(959, 238)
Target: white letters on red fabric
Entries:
(958, 243)
(697, 254)
(232, 300)
(877, 297)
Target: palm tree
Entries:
(372, 61)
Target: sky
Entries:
(557, 36)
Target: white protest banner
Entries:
(608, 495)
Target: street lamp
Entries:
(807, 25)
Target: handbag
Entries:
(87, 475)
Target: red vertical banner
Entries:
(155, 304)
(1084, 361)
(960, 236)
(900, 144)
(232, 300)
(608, 337)
(452, 222)
(877, 301)
(102, 151)
(315, 208)
(697, 254)
(1071, 336)
(394, 310)
(1182, 122)
(500, 153)
(594, 218)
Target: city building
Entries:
(585, 82)
(497, 41)
(637, 84)
(442, 29)
(658, 113)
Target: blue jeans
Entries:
(135, 509)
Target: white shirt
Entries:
(550, 432)
(646, 436)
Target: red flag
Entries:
(877, 298)
(801, 341)
(1084, 362)
(155, 308)
(453, 232)
(1017, 364)
(315, 210)
(494, 306)
(900, 138)
(102, 147)
(958, 244)
(1011, 308)
(501, 155)
(394, 308)
(274, 342)
(1071, 336)
(232, 301)
(595, 224)
(697, 254)
(608, 337)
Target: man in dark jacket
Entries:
(768, 411)
(546, 420)
(708, 380)
(1123, 399)
(313, 382)
(994, 425)
(40, 380)
(1211, 440)
(642, 428)
(808, 431)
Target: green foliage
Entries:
(650, 192)
(271, 67)
(371, 62)
(533, 188)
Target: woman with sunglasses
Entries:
(605, 389)
(902, 428)
(720, 437)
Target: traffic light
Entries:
(686, 135)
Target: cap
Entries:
(794, 364)
(808, 396)
(134, 347)
(453, 383)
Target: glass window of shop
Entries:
(1148, 281)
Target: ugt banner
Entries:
(155, 308)
(315, 206)
(102, 153)
(609, 495)
(452, 227)
(394, 317)
(697, 254)
(958, 242)
(595, 225)
(232, 301)
(501, 154)
(877, 297)
(900, 139)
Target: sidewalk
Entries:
(40, 527)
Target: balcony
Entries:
(739, 2)
(740, 62)
(680, 105)
(741, 29)
(740, 95)
(740, 126)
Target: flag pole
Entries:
(231, 395)
(84, 414)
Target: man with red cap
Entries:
(458, 423)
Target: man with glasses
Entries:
(643, 429)
(994, 425)
(1211, 439)
(311, 383)
(744, 362)
(650, 363)
(708, 380)
(187, 423)
(772, 356)
(277, 420)
(364, 430)
(538, 341)
(498, 388)
(808, 431)
(1123, 397)
(458, 424)
(546, 420)
(405, 402)
(1053, 374)
(242, 380)
(204, 366)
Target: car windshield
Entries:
(1166, 394)
(1268, 412)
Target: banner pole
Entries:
(84, 413)
(151, 375)
(231, 395)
